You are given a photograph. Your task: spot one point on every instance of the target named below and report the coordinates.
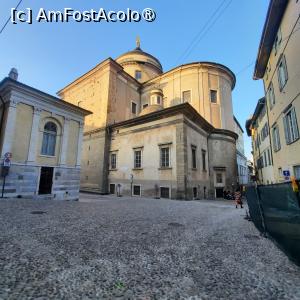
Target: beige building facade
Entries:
(258, 128)
(156, 133)
(278, 65)
(241, 159)
(42, 137)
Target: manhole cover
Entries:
(38, 212)
(175, 224)
(251, 237)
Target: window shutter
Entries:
(285, 68)
(294, 122)
(286, 129)
(274, 139)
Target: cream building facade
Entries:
(258, 128)
(43, 136)
(278, 65)
(153, 133)
(241, 159)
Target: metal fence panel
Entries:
(275, 209)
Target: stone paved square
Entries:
(104, 247)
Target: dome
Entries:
(139, 56)
(140, 64)
(150, 109)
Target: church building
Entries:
(154, 133)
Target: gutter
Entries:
(2, 114)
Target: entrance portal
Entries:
(46, 180)
(219, 192)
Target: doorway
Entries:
(219, 192)
(46, 181)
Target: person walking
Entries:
(238, 198)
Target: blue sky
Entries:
(48, 56)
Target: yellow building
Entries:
(258, 128)
(41, 135)
(278, 65)
(154, 133)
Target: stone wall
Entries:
(23, 180)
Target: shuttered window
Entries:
(271, 96)
(291, 126)
(276, 138)
(282, 73)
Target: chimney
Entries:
(13, 74)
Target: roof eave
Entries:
(274, 15)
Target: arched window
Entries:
(49, 139)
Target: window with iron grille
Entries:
(137, 190)
(164, 192)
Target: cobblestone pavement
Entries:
(131, 248)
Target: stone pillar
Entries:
(32, 152)
(9, 130)
(79, 145)
(65, 138)
(181, 161)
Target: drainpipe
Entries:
(2, 113)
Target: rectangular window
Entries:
(291, 126)
(186, 96)
(165, 157)
(164, 192)
(282, 73)
(194, 157)
(133, 108)
(136, 190)
(297, 172)
(269, 157)
(265, 159)
(219, 178)
(276, 138)
(145, 105)
(213, 96)
(138, 75)
(277, 41)
(113, 161)
(271, 96)
(137, 159)
(203, 152)
(158, 99)
(280, 172)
